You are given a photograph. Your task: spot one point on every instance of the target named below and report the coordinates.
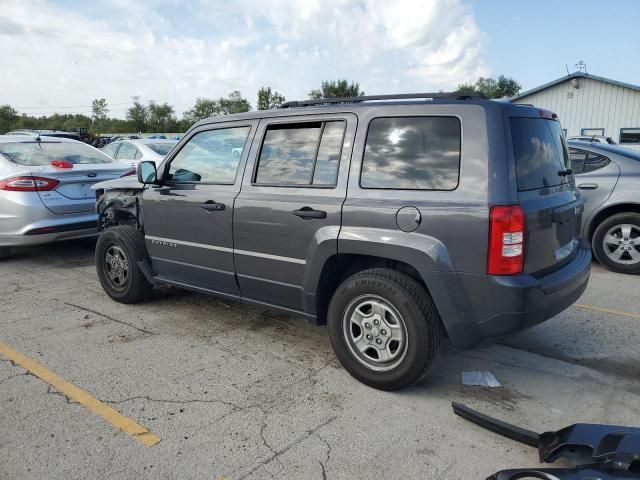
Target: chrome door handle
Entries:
(588, 186)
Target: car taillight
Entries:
(61, 164)
(28, 184)
(506, 240)
(129, 173)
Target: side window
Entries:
(412, 153)
(127, 152)
(111, 149)
(137, 155)
(595, 162)
(585, 162)
(578, 158)
(301, 154)
(212, 156)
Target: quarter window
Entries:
(630, 135)
(412, 153)
(585, 162)
(301, 154)
(212, 156)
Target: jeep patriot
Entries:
(394, 220)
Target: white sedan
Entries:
(135, 151)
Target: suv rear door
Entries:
(188, 218)
(289, 210)
(546, 192)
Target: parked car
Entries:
(379, 218)
(45, 189)
(594, 139)
(608, 177)
(47, 133)
(135, 151)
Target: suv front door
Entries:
(188, 218)
(287, 216)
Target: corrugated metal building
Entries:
(591, 105)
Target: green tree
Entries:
(269, 99)
(233, 103)
(8, 118)
(161, 117)
(336, 89)
(137, 115)
(99, 109)
(502, 87)
(203, 108)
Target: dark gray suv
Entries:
(395, 220)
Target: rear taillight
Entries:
(506, 240)
(129, 173)
(28, 184)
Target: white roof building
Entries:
(591, 105)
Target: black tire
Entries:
(122, 241)
(418, 315)
(627, 264)
(5, 252)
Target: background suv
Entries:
(392, 219)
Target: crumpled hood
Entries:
(125, 183)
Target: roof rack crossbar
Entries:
(369, 98)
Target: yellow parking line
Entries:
(607, 310)
(94, 405)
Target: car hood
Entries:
(124, 183)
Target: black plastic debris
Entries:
(600, 452)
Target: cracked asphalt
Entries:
(242, 393)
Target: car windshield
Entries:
(161, 148)
(43, 153)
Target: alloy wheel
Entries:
(622, 244)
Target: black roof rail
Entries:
(369, 98)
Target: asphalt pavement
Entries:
(230, 391)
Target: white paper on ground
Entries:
(483, 379)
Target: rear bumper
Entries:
(48, 231)
(479, 309)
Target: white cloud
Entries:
(174, 51)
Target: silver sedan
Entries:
(45, 189)
(608, 177)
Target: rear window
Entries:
(540, 152)
(43, 153)
(161, 148)
(412, 153)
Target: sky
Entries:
(58, 55)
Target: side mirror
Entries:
(147, 172)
